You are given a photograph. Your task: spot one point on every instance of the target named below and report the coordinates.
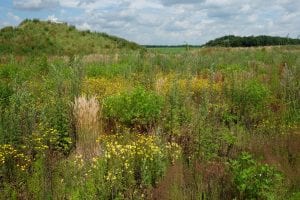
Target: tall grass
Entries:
(86, 113)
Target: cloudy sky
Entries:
(163, 21)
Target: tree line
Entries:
(251, 41)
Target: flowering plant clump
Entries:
(127, 166)
(22, 157)
(103, 87)
(173, 150)
(194, 85)
(44, 138)
(144, 157)
(9, 154)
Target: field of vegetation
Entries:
(207, 123)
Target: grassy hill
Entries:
(250, 41)
(34, 36)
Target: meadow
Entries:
(203, 123)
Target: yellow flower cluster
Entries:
(141, 147)
(79, 162)
(195, 84)
(111, 177)
(146, 147)
(43, 138)
(39, 144)
(7, 152)
(200, 84)
(267, 125)
(174, 151)
(123, 155)
(102, 87)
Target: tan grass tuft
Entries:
(86, 111)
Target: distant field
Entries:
(175, 49)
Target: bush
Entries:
(254, 180)
(249, 102)
(138, 109)
(250, 95)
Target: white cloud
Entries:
(69, 3)
(34, 4)
(4, 23)
(178, 2)
(52, 18)
(176, 21)
(245, 8)
(14, 17)
(84, 26)
(252, 18)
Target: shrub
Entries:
(138, 109)
(248, 101)
(251, 94)
(254, 180)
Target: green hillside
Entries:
(34, 36)
(251, 41)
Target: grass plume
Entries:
(86, 113)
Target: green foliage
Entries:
(18, 118)
(178, 113)
(251, 94)
(294, 196)
(37, 184)
(137, 108)
(250, 41)
(8, 192)
(248, 99)
(110, 71)
(5, 93)
(255, 180)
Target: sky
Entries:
(163, 22)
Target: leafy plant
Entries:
(250, 94)
(138, 109)
(254, 180)
(248, 99)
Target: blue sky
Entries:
(163, 21)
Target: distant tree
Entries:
(250, 41)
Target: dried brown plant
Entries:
(86, 113)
